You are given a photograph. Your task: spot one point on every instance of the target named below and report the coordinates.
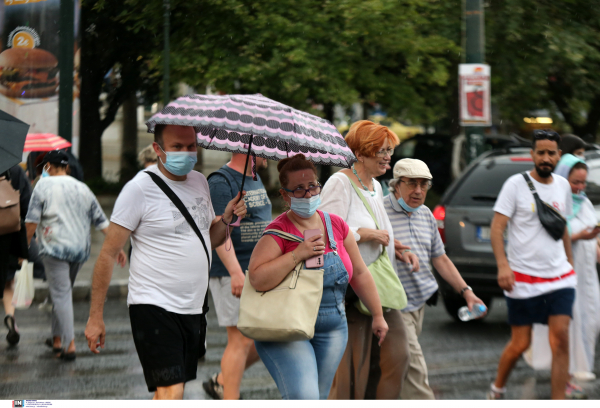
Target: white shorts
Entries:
(227, 306)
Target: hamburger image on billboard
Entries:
(28, 73)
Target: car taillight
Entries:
(439, 213)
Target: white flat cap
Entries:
(411, 168)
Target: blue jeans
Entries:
(305, 369)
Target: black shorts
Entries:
(525, 312)
(167, 344)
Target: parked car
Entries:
(445, 155)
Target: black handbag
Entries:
(552, 221)
(181, 207)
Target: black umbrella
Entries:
(12, 140)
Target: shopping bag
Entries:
(24, 289)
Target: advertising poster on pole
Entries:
(29, 71)
(475, 93)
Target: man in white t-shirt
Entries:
(169, 267)
(536, 272)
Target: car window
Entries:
(483, 184)
(593, 186)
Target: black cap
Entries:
(55, 157)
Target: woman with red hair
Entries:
(373, 146)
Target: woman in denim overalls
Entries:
(305, 369)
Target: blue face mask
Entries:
(405, 206)
(179, 163)
(305, 207)
(45, 173)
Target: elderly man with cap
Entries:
(415, 227)
(62, 209)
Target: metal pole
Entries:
(166, 74)
(65, 65)
(474, 44)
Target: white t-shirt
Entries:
(531, 250)
(168, 265)
(338, 197)
(64, 208)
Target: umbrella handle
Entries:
(237, 219)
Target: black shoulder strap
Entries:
(529, 183)
(186, 214)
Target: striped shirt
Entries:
(418, 231)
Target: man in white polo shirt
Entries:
(536, 273)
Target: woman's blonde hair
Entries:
(147, 155)
(366, 138)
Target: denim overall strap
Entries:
(332, 243)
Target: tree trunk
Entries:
(129, 166)
(90, 145)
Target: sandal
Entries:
(13, 335)
(50, 343)
(67, 356)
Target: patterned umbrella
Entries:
(256, 125)
(44, 142)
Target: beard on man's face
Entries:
(544, 170)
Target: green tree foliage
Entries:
(302, 52)
(546, 54)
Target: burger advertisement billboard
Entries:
(29, 70)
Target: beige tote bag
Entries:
(288, 312)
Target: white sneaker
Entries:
(584, 376)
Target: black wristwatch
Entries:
(463, 290)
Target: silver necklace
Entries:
(362, 184)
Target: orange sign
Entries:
(23, 39)
(16, 2)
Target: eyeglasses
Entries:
(385, 152)
(412, 184)
(301, 192)
(546, 134)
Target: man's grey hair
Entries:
(393, 183)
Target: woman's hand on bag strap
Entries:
(382, 237)
(311, 247)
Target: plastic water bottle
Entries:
(465, 315)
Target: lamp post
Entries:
(474, 47)
(166, 74)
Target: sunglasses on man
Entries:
(546, 134)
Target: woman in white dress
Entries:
(357, 376)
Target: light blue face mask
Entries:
(305, 207)
(179, 163)
(405, 206)
(45, 173)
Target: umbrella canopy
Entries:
(12, 139)
(257, 125)
(44, 142)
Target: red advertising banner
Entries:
(475, 92)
